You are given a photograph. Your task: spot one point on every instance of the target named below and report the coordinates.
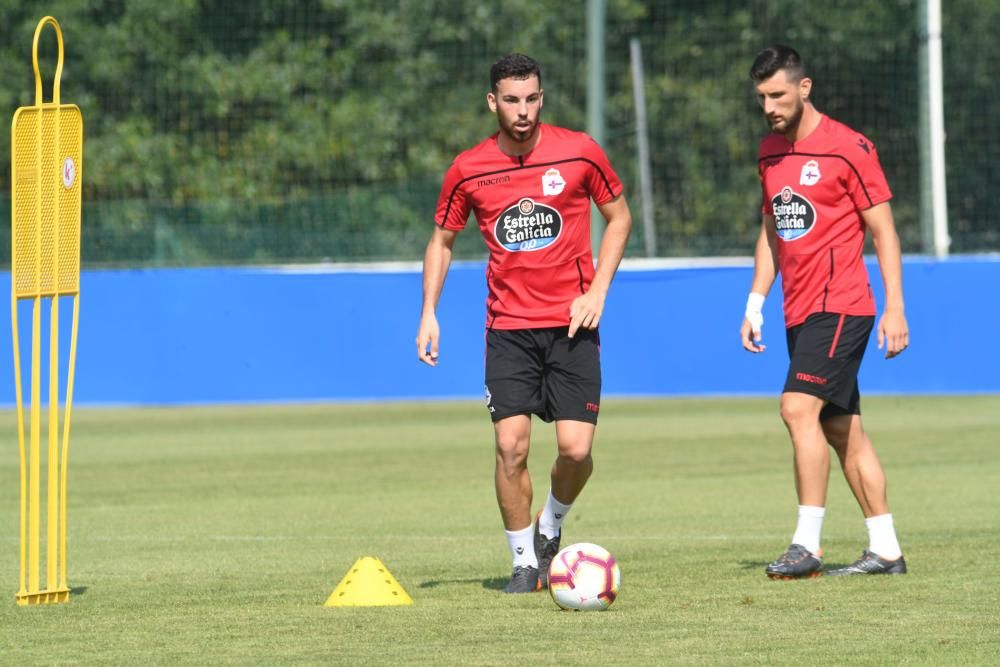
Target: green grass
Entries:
(214, 535)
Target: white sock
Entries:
(553, 514)
(882, 537)
(522, 546)
(808, 529)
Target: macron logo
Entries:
(814, 379)
(494, 180)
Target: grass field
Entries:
(214, 535)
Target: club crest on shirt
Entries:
(528, 226)
(552, 183)
(794, 215)
(810, 173)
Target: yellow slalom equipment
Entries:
(46, 175)
(368, 584)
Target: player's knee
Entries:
(837, 433)
(576, 453)
(798, 409)
(511, 463)
(512, 451)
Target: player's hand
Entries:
(893, 333)
(753, 320)
(751, 337)
(585, 312)
(427, 340)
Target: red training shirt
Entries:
(816, 190)
(534, 213)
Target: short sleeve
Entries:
(453, 203)
(866, 184)
(602, 181)
(766, 206)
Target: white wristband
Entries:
(755, 304)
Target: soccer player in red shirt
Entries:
(822, 188)
(530, 186)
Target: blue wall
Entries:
(247, 335)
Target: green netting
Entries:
(308, 130)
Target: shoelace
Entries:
(867, 562)
(792, 556)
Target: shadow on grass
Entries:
(754, 564)
(493, 583)
(77, 590)
(835, 566)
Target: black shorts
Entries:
(543, 372)
(825, 353)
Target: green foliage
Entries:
(214, 127)
(971, 61)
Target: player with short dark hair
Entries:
(774, 59)
(530, 186)
(514, 66)
(823, 187)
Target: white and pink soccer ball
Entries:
(584, 577)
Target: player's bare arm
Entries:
(765, 268)
(586, 309)
(437, 259)
(893, 332)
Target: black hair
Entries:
(514, 66)
(774, 59)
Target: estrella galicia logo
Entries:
(794, 215)
(528, 226)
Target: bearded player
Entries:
(530, 186)
(823, 188)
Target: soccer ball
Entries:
(584, 577)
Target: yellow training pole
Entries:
(23, 590)
(46, 175)
(65, 451)
(52, 523)
(34, 473)
(55, 490)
